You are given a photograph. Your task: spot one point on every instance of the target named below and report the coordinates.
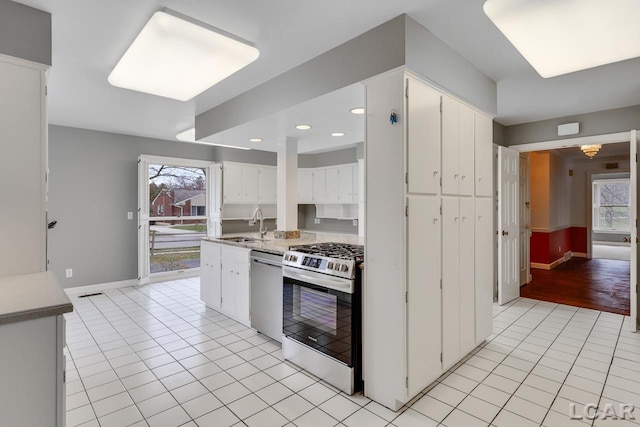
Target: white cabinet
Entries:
(232, 183)
(23, 173)
(331, 185)
(268, 185)
(305, 186)
(319, 186)
(423, 138)
(483, 268)
(225, 280)
(210, 263)
(424, 308)
(484, 155)
(346, 184)
(250, 183)
(457, 148)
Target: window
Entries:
(197, 210)
(611, 205)
(160, 210)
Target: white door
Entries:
(508, 228)
(451, 281)
(331, 185)
(250, 179)
(525, 222)
(232, 183)
(143, 222)
(633, 202)
(319, 185)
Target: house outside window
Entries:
(611, 205)
(197, 211)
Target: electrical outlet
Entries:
(559, 249)
(355, 222)
(129, 215)
(250, 223)
(69, 272)
(316, 221)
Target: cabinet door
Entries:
(232, 183)
(483, 155)
(467, 292)
(250, 179)
(319, 185)
(331, 183)
(227, 288)
(345, 184)
(242, 288)
(268, 188)
(356, 182)
(305, 186)
(210, 274)
(450, 281)
(484, 277)
(423, 138)
(450, 146)
(423, 287)
(466, 150)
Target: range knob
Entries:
(344, 267)
(330, 266)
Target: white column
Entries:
(287, 226)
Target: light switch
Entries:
(129, 215)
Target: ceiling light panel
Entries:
(176, 58)
(560, 37)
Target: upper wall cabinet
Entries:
(246, 183)
(423, 137)
(484, 153)
(305, 186)
(329, 185)
(457, 148)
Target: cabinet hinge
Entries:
(64, 376)
(440, 283)
(440, 210)
(46, 90)
(139, 277)
(406, 210)
(636, 157)
(406, 177)
(440, 357)
(441, 104)
(406, 296)
(406, 90)
(636, 288)
(440, 181)
(406, 382)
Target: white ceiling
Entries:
(89, 36)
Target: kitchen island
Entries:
(31, 350)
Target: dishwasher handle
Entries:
(267, 262)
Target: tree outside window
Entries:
(611, 205)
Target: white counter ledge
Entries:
(278, 246)
(31, 296)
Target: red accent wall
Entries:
(544, 246)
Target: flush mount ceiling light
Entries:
(337, 134)
(177, 57)
(303, 127)
(189, 135)
(560, 37)
(255, 139)
(591, 150)
(358, 110)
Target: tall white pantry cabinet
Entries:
(429, 269)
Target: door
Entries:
(508, 227)
(484, 276)
(467, 279)
(525, 222)
(466, 150)
(633, 202)
(232, 183)
(450, 146)
(144, 269)
(450, 281)
(424, 320)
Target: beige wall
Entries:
(539, 176)
(550, 190)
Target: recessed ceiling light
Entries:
(178, 57)
(255, 139)
(189, 135)
(337, 134)
(560, 37)
(303, 127)
(358, 110)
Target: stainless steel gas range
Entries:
(322, 312)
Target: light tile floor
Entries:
(155, 356)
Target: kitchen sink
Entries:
(241, 239)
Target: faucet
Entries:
(257, 215)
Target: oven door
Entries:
(318, 316)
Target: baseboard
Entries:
(89, 289)
(578, 254)
(554, 264)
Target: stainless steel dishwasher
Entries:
(266, 294)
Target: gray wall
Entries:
(430, 57)
(93, 184)
(245, 156)
(598, 123)
(329, 158)
(499, 134)
(25, 32)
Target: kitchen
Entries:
(385, 207)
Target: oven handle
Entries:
(343, 285)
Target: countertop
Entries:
(31, 296)
(279, 246)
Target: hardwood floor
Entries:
(598, 284)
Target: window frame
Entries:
(595, 205)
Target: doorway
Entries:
(577, 259)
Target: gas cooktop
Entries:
(332, 250)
